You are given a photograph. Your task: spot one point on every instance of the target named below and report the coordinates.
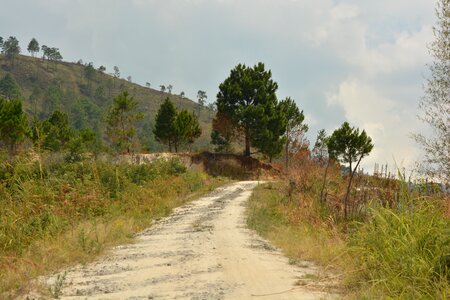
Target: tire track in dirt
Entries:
(203, 250)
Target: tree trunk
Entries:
(324, 180)
(352, 172)
(247, 142)
(287, 150)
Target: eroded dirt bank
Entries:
(202, 251)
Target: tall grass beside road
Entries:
(56, 214)
(396, 245)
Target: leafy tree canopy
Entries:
(33, 47)
(248, 98)
(11, 48)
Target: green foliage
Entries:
(52, 100)
(164, 123)
(247, 97)
(11, 48)
(270, 139)
(295, 129)
(320, 150)
(201, 96)
(57, 131)
(33, 47)
(121, 118)
(348, 145)
(89, 72)
(86, 114)
(52, 54)
(9, 88)
(13, 124)
(402, 252)
(222, 145)
(186, 129)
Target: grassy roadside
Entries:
(71, 213)
(293, 227)
(400, 252)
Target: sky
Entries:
(360, 61)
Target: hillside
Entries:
(66, 86)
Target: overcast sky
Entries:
(363, 61)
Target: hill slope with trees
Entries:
(85, 92)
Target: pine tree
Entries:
(294, 125)
(349, 145)
(120, 120)
(33, 47)
(247, 97)
(11, 49)
(13, 124)
(164, 123)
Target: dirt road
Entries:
(202, 251)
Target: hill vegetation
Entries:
(85, 93)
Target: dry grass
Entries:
(81, 210)
(395, 246)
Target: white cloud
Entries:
(386, 121)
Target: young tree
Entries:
(1, 42)
(9, 88)
(147, 84)
(182, 94)
(129, 78)
(120, 120)
(169, 88)
(54, 56)
(247, 97)
(116, 72)
(201, 96)
(324, 150)
(186, 129)
(89, 73)
(44, 49)
(11, 49)
(193, 131)
(162, 88)
(57, 131)
(201, 100)
(164, 123)
(435, 104)
(320, 150)
(349, 146)
(33, 47)
(13, 124)
(294, 124)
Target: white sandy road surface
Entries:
(202, 251)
